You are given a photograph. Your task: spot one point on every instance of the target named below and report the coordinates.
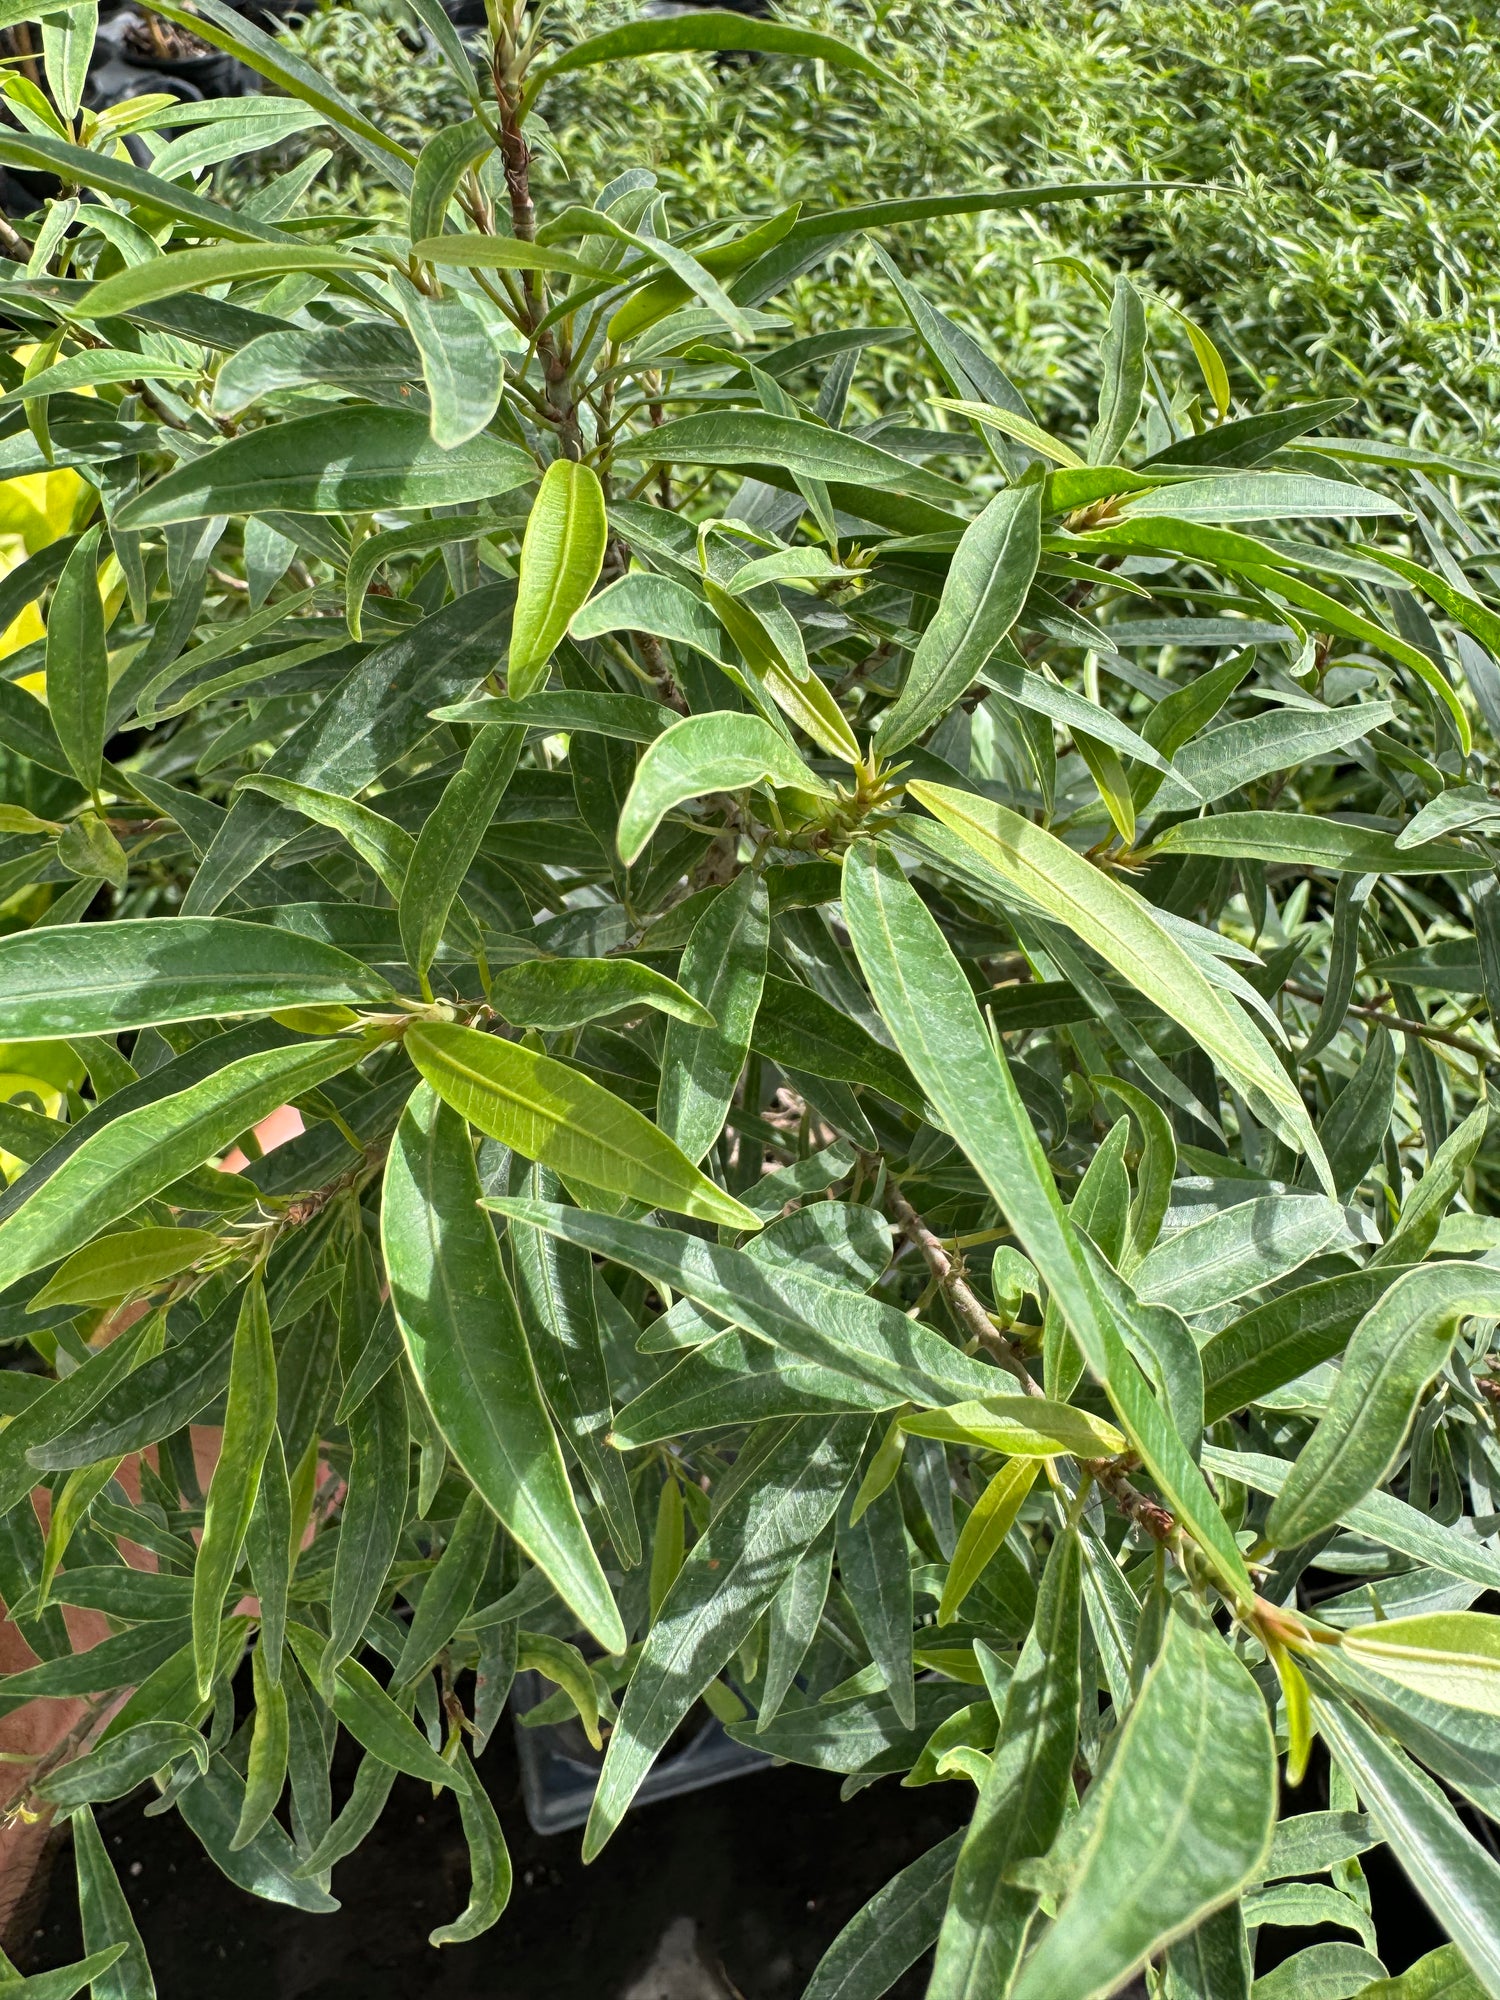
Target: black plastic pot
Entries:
(560, 1769)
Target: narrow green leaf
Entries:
(101, 979)
(929, 1006)
(707, 753)
(549, 1113)
(1395, 1351)
(722, 1591)
(344, 461)
(469, 1355)
(1193, 1842)
(450, 839)
(987, 582)
(249, 1420)
(561, 556)
(77, 663)
(1022, 1800)
(1117, 923)
(724, 968)
(489, 1860)
(105, 1917)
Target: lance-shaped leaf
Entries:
(891, 1932)
(1213, 1262)
(450, 839)
(346, 461)
(1122, 927)
(449, 1593)
(661, 605)
(268, 1865)
(789, 1305)
(105, 1917)
(1380, 1516)
(77, 663)
(721, 752)
(249, 1420)
(1162, 1840)
(461, 366)
(930, 1009)
(489, 1860)
(369, 1714)
(724, 968)
(1395, 1351)
(1302, 839)
(1023, 1797)
(711, 29)
(101, 979)
(149, 1403)
(556, 993)
(547, 1112)
(722, 1591)
(380, 1453)
(555, 1289)
(1457, 1878)
(561, 556)
(1451, 1657)
(986, 585)
(753, 438)
(1274, 1343)
(223, 263)
(112, 1267)
(469, 1355)
(145, 1150)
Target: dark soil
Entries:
(768, 1867)
(733, 1893)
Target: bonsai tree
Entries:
(890, 1014)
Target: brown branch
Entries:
(970, 1312)
(1388, 1019)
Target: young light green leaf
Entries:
(990, 1520)
(547, 1112)
(114, 1267)
(1452, 1657)
(561, 556)
(1125, 931)
(469, 1355)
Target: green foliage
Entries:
(1339, 246)
(888, 1022)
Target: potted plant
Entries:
(890, 1026)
